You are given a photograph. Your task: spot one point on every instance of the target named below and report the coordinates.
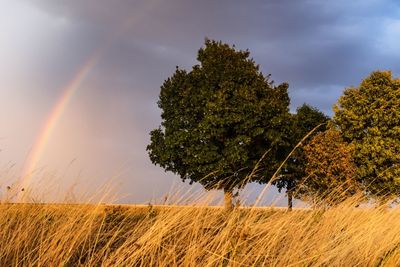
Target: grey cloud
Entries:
(310, 44)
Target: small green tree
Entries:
(303, 121)
(219, 119)
(329, 173)
(368, 117)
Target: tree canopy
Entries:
(303, 121)
(368, 117)
(329, 173)
(219, 118)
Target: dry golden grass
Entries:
(101, 235)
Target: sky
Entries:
(113, 56)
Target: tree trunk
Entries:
(228, 199)
(290, 199)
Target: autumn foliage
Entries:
(330, 169)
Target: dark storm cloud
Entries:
(314, 45)
(319, 47)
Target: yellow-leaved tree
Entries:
(368, 117)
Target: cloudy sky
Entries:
(318, 47)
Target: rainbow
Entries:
(51, 121)
(68, 91)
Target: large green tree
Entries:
(368, 117)
(305, 120)
(218, 120)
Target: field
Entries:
(109, 235)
